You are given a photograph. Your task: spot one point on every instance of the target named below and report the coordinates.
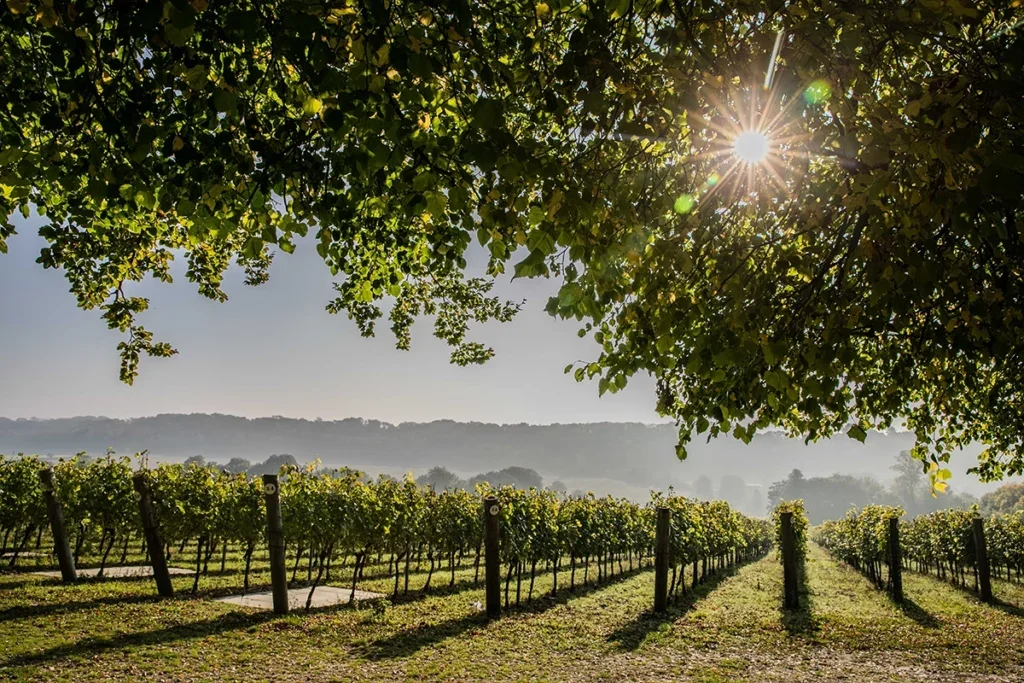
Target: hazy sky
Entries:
(274, 350)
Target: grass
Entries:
(729, 629)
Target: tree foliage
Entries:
(868, 273)
(829, 498)
(1006, 498)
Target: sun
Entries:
(751, 146)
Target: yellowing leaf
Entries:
(312, 106)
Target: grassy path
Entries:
(730, 629)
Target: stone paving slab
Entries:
(323, 596)
(121, 572)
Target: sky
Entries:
(274, 350)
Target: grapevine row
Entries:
(342, 514)
(800, 526)
(942, 543)
(861, 539)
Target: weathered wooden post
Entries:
(789, 568)
(154, 544)
(275, 539)
(61, 546)
(895, 560)
(492, 562)
(661, 538)
(981, 558)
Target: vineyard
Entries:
(579, 584)
(339, 517)
(956, 546)
(861, 539)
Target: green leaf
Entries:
(225, 101)
(11, 155)
(436, 203)
(252, 247)
(536, 216)
(569, 295)
(197, 77)
(486, 114)
(1008, 160)
(541, 241)
(145, 199)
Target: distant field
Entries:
(731, 629)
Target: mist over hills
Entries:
(629, 457)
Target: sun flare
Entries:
(751, 146)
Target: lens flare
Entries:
(684, 204)
(817, 92)
(751, 146)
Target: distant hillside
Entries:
(635, 454)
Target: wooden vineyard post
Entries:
(661, 538)
(275, 539)
(61, 546)
(981, 558)
(492, 563)
(154, 544)
(895, 560)
(789, 580)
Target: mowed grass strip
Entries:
(729, 629)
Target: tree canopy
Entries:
(1006, 498)
(832, 497)
(866, 272)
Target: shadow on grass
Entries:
(408, 642)
(1007, 607)
(972, 592)
(632, 635)
(33, 611)
(436, 590)
(91, 646)
(29, 580)
(908, 607)
(914, 611)
(468, 583)
(801, 620)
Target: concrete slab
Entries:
(26, 553)
(132, 572)
(324, 596)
